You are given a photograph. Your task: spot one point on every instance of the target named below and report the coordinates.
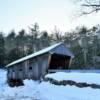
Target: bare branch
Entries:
(90, 5)
(94, 10)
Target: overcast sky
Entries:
(18, 14)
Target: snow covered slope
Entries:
(46, 91)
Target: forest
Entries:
(82, 41)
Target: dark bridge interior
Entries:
(58, 61)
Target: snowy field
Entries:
(47, 91)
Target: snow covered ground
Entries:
(77, 77)
(46, 91)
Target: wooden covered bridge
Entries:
(36, 65)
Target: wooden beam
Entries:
(49, 60)
(70, 61)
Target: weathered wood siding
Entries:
(12, 72)
(33, 68)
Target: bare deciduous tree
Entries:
(90, 6)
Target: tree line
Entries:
(83, 42)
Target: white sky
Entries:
(18, 14)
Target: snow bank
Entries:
(77, 77)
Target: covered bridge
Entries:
(35, 65)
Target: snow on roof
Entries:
(45, 50)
